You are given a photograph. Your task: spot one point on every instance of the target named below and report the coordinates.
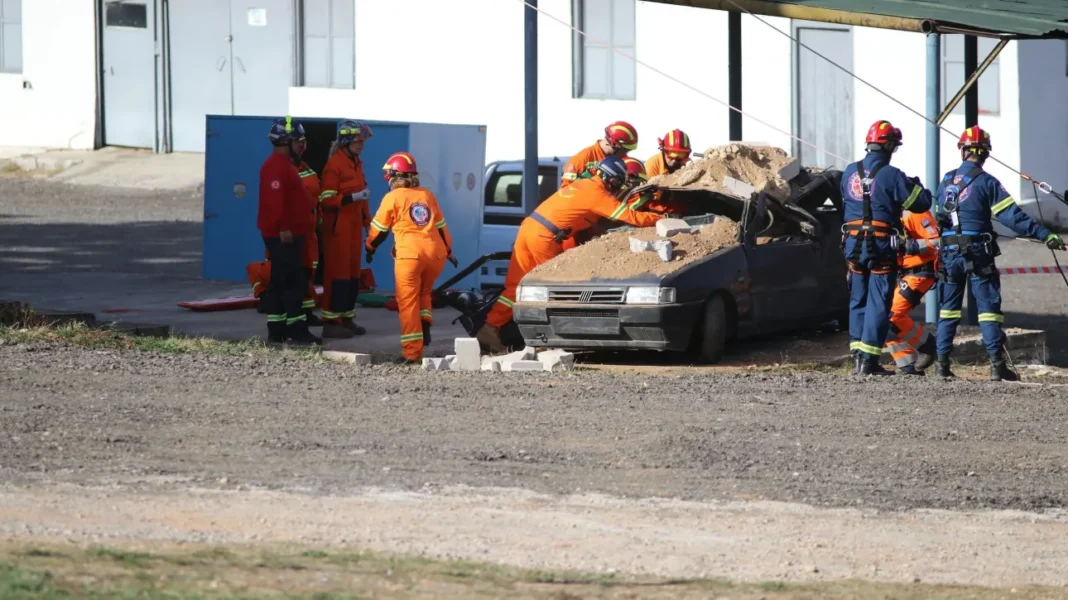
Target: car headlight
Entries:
(650, 295)
(527, 293)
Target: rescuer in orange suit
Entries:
(282, 218)
(570, 210)
(912, 346)
(674, 153)
(421, 247)
(346, 214)
(619, 138)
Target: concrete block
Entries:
(434, 364)
(638, 246)
(352, 358)
(450, 363)
(468, 355)
(491, 363)
(791, 170)
(669, 227)
(738, 188)
(664, 249)
(557, 360)
(523, 365)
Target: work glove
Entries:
(1054, 242)
(365, 194)
(346, 200)
(369, 255)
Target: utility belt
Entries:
(965, 245)
(559, 235)
(924, 270)
(865, 233)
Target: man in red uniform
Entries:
(570, 210)
(283, 222)
(422, 246)
(344, 204)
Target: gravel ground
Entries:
(97, 417)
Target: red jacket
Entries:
(284, 204)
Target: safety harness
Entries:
(559, 235)
(865, 229)
(949, 209)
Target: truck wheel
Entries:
(714, 331)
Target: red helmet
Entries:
(399, 163)
(975, 140)
(676, 144)
(622, 135)
(635, 169)
(882, 132)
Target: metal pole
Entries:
(934, 77)
(734, 73)
(971, 117)
(530, 76)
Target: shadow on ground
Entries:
(167, 248)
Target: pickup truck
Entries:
(785, 273)
(504, 210)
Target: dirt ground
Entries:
(746, 475)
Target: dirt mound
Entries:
(609, 256)
(756, 165)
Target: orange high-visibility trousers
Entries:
(906, 334)
(342, 243)
(415, 281)
(534, 245)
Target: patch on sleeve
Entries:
(276, 184)
(926, 222)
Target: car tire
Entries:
(714, 330)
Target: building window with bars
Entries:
(10, 36)
(599, 71)
(329, 44)
(953, 76)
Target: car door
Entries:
(785, 277)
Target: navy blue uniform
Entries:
(868, 250)
(980, 197)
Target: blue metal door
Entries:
(200, 68)
(129, 74)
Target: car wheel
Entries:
(714, 331)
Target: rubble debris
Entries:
(352, 358)
(737, 188)
(669, 227)
(491, 363)
(762, 167)
(557, 360)
(637, 245)
(450, 363)
(523, 365)
(663, 249)
(791, 170)
(607, 257)
(434, 364)
(467, 355)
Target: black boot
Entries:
(298, 334)
(999, 369)
(926, 353)
(858, 362)
(942, 366)
(426, 333)
(312, 319)
(910, 370)
(871, 366)
(276, 332)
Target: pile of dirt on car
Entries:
(759, 166)
(608, 257)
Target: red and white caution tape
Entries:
(1031, 270)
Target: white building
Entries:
(86, 73)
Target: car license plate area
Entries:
(585, 321)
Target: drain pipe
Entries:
(934, 77)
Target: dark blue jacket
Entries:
(891, 192)
(982, 200)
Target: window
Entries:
(10, 36)
(126, 14)
(329, 49)
(505, 190)
(953, 74)
(599, 71)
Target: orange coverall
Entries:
(342, 231)
(917, 277)
(259, 273)
(589, 156)
(571, 208)
(422, 244)
(655, 165)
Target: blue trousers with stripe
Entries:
(871, 292)
(987, 290)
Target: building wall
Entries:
(58, 108)
(1043, 68)
(469, 69)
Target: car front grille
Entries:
(584, 312)
(588, 296)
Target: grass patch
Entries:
(241, 572)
